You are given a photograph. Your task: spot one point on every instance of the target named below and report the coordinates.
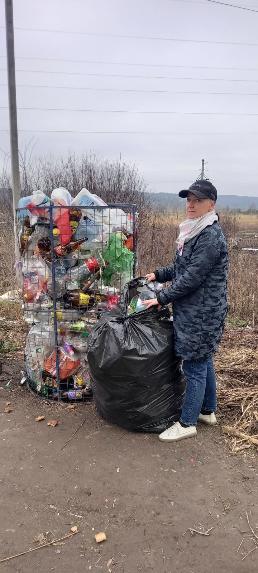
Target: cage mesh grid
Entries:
(75, 262)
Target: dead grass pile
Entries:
(237, 373)
(12, 329)
(7, 272)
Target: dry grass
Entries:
(248, 221)
(12, 330)
(237, 372)
(7, 273)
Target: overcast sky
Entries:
(146, 71)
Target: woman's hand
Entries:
(150, 277)
(150, 302)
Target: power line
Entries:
(232, 5)
(134, 37)
(138, 76)
(136, 112)
(134, 64)
(111, 132)
(131, 90)
(193, 2)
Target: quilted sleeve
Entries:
(165, 274)
(205, 255)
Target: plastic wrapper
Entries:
(137, 379)
(35, 280)
(119, 260)
(69, 362)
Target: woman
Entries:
(199, 296)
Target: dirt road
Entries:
(146, 496)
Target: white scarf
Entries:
(193, 227)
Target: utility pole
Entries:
(202, 171)
(16, 186)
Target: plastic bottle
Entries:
(67, 316)
(61, 199)
(82, 272)
(79, 273)
(25, 234)
(60, 276)
(88, 228)
(40, 231)
(121, 221)
(61, 250)
(39, 342)
(75, 217)
(35, 279)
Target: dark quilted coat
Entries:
(198, 293)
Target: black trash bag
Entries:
(137, 379)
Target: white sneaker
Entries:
(209, 419)
(177, 432)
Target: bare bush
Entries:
(230, 224)
(157, 240)
(7, 271)
(113, 181)
(243, 286)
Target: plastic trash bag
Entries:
(140, 290)
(137, 379)
(118, 258)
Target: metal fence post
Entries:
(53, 270)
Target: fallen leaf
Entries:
(109, 563)
(8, 410)
(74, 529)
(100, 537)
(40, 419)
(8, 403)
(53, 423)
(71, 407)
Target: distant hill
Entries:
(231, 202)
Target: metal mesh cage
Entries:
(74, 263)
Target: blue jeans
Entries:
(200, 391)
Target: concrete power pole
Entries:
(16, 186)
(202, 171)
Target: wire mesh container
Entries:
(75, 261)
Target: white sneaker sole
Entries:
(177, 439)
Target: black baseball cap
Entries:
(202, 188)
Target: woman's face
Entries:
(198, 207)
